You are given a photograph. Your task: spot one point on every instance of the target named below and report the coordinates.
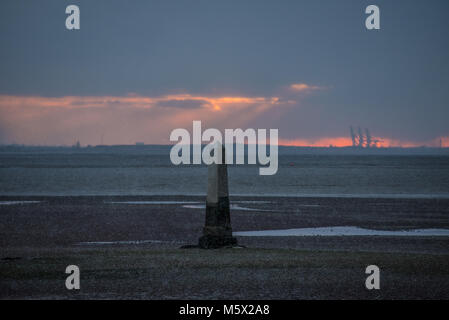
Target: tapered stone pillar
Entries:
(217, 231)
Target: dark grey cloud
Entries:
(182, 104)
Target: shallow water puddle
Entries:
(344, 231)
(153, 202)
(94, 243)
(8, 203)
(232, 207)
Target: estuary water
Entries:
(150, 172)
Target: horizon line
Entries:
(203, 144)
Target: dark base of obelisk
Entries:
(215, 242)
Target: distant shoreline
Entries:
(283, 150)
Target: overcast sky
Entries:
(136, 70)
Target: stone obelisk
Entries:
(217, 231)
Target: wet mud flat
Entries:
(128, 247)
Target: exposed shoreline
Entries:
(38, 240)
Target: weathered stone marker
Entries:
(217, 231)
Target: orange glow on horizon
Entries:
(320, 142)
(125, 119)
(122, 119)
(347, 142)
